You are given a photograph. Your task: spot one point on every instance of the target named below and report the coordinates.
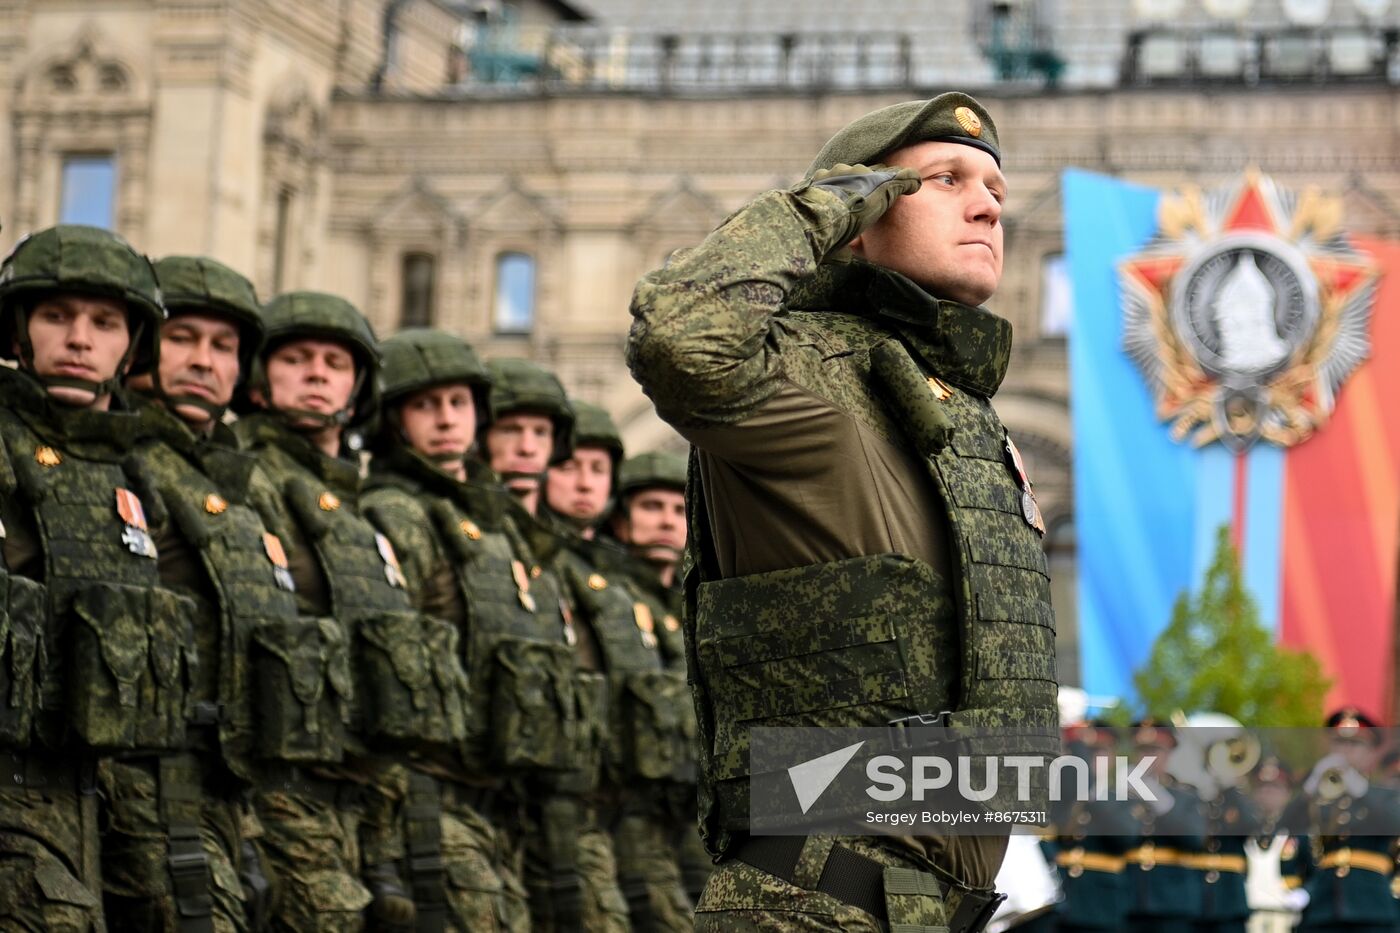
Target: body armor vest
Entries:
(204, 487)
(410, 686)
(974, 653)
(647, 700)
(519, 642)
(114, 652)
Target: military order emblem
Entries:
(272, 545)
(968, 120)
(646, 623)
(135, 534)
(1247, 313)
(392, 572)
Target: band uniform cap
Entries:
(952, 117)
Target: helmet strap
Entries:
(321, 420)
(98, 388)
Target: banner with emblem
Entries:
(1231, 354)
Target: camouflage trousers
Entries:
(602, 908)
(739, 897)
(47, 837)
(138, 888)
(650, 875)
(695, 862)
(310, 852)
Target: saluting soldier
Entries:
(1164, 889)
(570, 866)
(824, 353)
(647, 739)
(1348, 822)
(216, 548)
(466, 561)
(96, 653)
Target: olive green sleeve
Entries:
(700, 343)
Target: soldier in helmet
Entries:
(318, 378)
(649, 520)
(569, 858)
(646, 696)
(466, 558)
(174, 856)
(96, 652)
(824, 353)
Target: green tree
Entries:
(1215, 655)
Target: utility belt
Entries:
(1148, 857)
(896, 897)
(1077, 861)
(1344, 860)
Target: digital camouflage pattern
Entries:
(779, 406)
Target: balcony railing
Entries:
(1283, 55)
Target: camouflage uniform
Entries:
(648, 747)
(567, 825)
(95, 654)
(846, 412)
(173, 852)
(458, 548)
(331, 805)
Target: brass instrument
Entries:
(1232, 758)
(1331, 784)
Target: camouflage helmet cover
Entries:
(521, 386)
(308, 315)
(421, 358)
(87, 261)
(198, 283)
(594, 427)
(652, 470)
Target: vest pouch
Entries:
(412, 687)
(22, 614)
(653, 740)
(132, 666)
(302, 670)
(856, 642)
(533, 706)
(591, 696)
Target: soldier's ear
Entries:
(857, 246)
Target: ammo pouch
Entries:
(132, 666)
(534, 724)
(591, 696)
(23, 609)
(301, 667)
(653, 740)
(412, 687)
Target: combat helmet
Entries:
(422, 358)
(321, 316)
(86, 261)
(594, 427)
(652, 470)
(521, 386)
(199, 285)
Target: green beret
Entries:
(951, 117)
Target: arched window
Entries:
(418, 284)
(515, 293)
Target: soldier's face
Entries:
(199, 358)
(439, 421)
(580, 486)
(654, 523)
(947, 236)
(78, 337)
(520, 443)
(311, 375)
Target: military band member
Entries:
(1164, 887)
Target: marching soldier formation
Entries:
(250, 685)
